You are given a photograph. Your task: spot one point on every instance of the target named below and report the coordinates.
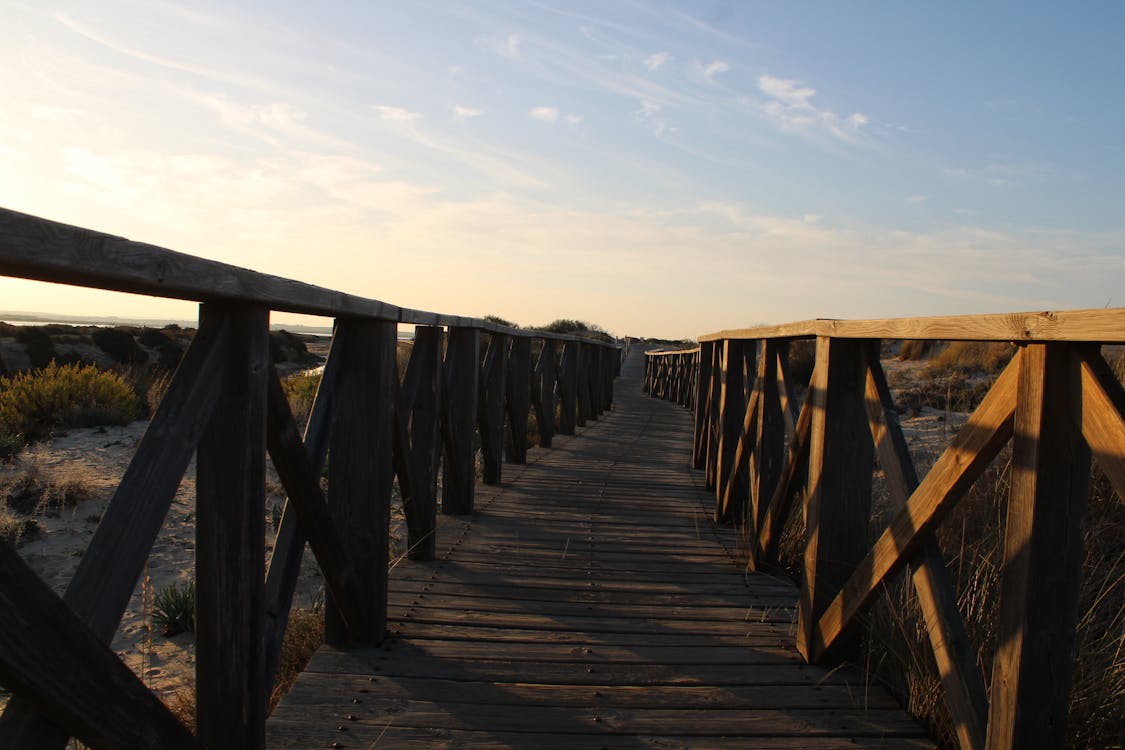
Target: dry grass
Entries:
(303, 637)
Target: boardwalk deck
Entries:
(589, 603)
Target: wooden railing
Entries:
(1057, 402)
(225, 405)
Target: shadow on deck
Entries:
(589, 603)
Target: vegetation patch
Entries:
(173, 609)
(35, 403)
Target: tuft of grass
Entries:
(173, 609)
(36, 402)
(915, 349)
(972, 357)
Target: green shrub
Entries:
(36, 402)
(173, 609)
(300, 389)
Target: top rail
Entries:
(35, 248)
(1104, 325)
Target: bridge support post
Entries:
(702, 404)
(230, 537)
(493, 389)
(419, 404)
(519, 398)
(730, 505)
(461, 374)
(361, 470)
(543, 392)
(841, 461)
(568, 388)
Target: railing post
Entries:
(568, 388)
(421, 399)
(460, 379)
(769, 445)
(714, 398)
(546, 378)
(1042, 570)
(519, 397)
(584, 408)
(230, 538)
(493, 388)
(702, 404)
(361, 470)
(732, 412)
(841, 461)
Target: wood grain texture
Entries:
(420, 404)
(361, 472)
(493, 391)
(62, 670)
(568, 388)
(838, 505)
(518, 401)
(459, 389)
(563, 616)
(702, 406)
(730, 503)
(544, 398)
(1043, 549)
(231, 688)
(1103, 416)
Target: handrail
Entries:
(45, 250)
(1058, 404)
(225, 405)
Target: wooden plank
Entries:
(289, 541)
(422, 382)
(1043, 549)
(961, 679)
(518, 399)
(841, 460)
(62, 670)
(460, 378)
(302, 485)
(231, 687)
(543, 398)
(731, 411)
(1098, 325)
(361, 472)
(971, 451)
(568, 388)
(1103, 417)
(493, 388)
(741, 475)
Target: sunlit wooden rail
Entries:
(1059, 405)
(466, 377)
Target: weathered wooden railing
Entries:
(226, 406)
(1059, 404)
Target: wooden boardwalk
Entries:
(589, 603)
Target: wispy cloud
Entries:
(396, 114)
(650, 114)
(1001, 174)
(789, 105)
(508, 46)
(916, 200)
(657, 61)
(464, 113)
(714, 68)
(546, 114)
(573, 119)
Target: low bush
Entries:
(36, 402)
(300, 389)
(969, 357)
(173, 609)
(119, 344)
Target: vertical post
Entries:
(769, 445)
(714, 397)
(841, 461)
(702, 404)
(230, 538)
(568, 388)
(493, 387)
(461, 374)
(583, 360)
(546, 377)
(361, 469)
(519, 397)
(732, 413)
(422, 386)
(1042, 570)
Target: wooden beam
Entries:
(1042, 570)
(838, 505)
(714, 398)
(955, 656)
(568, 388)
(460, 378)
(741, 475)
(231, 689)
(420, 407)
(493, 388)
(1103, 417)
(361, 473)
(106, 576)
(51, 660)
(769, 440)
(543, 399)
(971, 451)
(519, 398)
(730, 503)
(585, 408)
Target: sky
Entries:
(660, 169)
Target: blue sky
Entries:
(661, 169)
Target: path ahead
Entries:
(589, 603)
